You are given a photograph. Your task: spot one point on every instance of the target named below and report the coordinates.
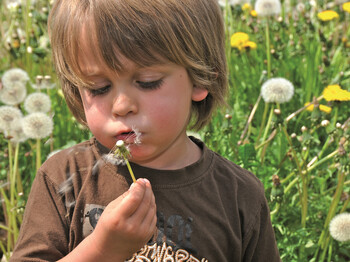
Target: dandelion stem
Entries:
(322, 243)
(38, 154)
(130, 170)
(268, 53)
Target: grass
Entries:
(301, 162)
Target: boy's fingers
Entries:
(130, 203)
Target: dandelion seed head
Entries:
(325, 123)
(119, 143)
(37, 125)
(268, 7)
(37, 102)
(14, 76)
(233, 2)
(16, 131)
(8, 114)
(14, 94)
(114, 159)
(277, 90)
(339, 227)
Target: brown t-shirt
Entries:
(212, 210)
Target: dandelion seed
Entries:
(278, 90)
(14, 94)
(14, 76)
(339, 227)
(37, 125)
(96, 168)
(37, 102)
(53, 153)
(67, 185)
(8, 114)
(267, 7)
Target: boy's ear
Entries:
(199, 94)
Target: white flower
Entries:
(339, 227)
(278, 90)
(37, 102)
(8, 114)
(13, 95)
(37, 125)
(268, 7)
(16, 131)
(14, 75)
(233, 2)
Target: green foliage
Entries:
(302, 161)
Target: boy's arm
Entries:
(125, 226)
(259, 244)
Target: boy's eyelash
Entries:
(150, 85)
(100, 91)
(144, 85)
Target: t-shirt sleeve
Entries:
(259, 244)
(44, 230)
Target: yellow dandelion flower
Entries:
(327, 15)
(325, 109)
(310, 107)
(335, 93)
(346, 7)
(322, 108)
(253, 13)
(239, 39)
(250, 45)
(246, 7)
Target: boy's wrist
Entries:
(88, 250)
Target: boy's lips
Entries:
(127, 137)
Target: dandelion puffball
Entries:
(37, 125)
(8, 114)
(268, 7)
(339, 227)
(277, 90)
(13, 76)
(16, 131)
(14, 94)
(37, 102)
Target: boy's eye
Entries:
(100, 91)
(150, 85)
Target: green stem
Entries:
(130, 170)
(38, 154)
(322, 243)
(268, 52)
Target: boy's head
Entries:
(189, 33)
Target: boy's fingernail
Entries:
(146, 182)
(132, 186)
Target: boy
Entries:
(143, 70)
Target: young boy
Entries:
(143, 70)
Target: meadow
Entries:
(286, 120)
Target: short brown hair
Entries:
(189, 33)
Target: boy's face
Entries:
(155, 100)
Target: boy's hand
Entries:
(126, 224)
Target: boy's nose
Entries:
(123, 105)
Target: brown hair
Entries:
(189, 33)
